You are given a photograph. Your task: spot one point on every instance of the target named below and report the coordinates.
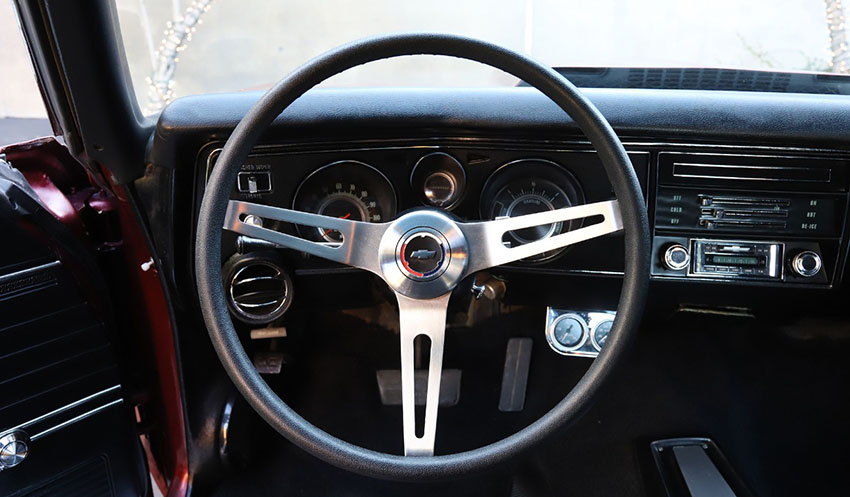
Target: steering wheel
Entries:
(422, 256)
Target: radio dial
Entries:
(676, 257)
(807, 264)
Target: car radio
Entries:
(749, 218)
(737, 258)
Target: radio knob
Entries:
(676, 257)
(807, 263)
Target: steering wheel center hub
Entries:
(423, 254)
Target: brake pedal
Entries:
(389, 386)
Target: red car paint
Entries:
(65, 189)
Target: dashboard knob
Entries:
(676, 257)
(14, 448)
(253, 220)
(807, 263)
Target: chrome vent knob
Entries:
(259, 290)
(14, 448)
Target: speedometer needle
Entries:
(325, 233)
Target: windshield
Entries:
(175, 48)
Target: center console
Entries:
(753, 219)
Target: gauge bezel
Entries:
(544, 169)
(596, 345)
(558, 346)
(387, 188)
(456, 171)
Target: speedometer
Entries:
(527, 187)
(346, 190)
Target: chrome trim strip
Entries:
(747, 178)
(65, 408)
(774, 260)
(744, 166)
(75, 419)
(580, 271)
(748, 166)
(777, 149)
(30, 270)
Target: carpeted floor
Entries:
(777, 406)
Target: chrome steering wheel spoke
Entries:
(484, 239)
(422, 256)
(359, 247)
(419, 317)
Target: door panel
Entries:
(60, 386)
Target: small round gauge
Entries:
(528, 187)
(600, 332)
(440, 180)
(346, 190)
(568, 332)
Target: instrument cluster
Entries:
(471, 181)
(350, 189)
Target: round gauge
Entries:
(529, 196)
(568, 332)
(346, 190)
(528, 187)
(600, 333)
(440, 180)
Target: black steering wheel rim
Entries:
(208, 256)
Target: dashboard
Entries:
(747, 193)
(773, 218)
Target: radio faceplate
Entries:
(736, 259)
(787, 261)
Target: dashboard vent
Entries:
(708, 79)
(259, 291)
(688, 78)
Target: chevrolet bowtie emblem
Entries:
(423, 254)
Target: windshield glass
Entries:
(176, 48)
